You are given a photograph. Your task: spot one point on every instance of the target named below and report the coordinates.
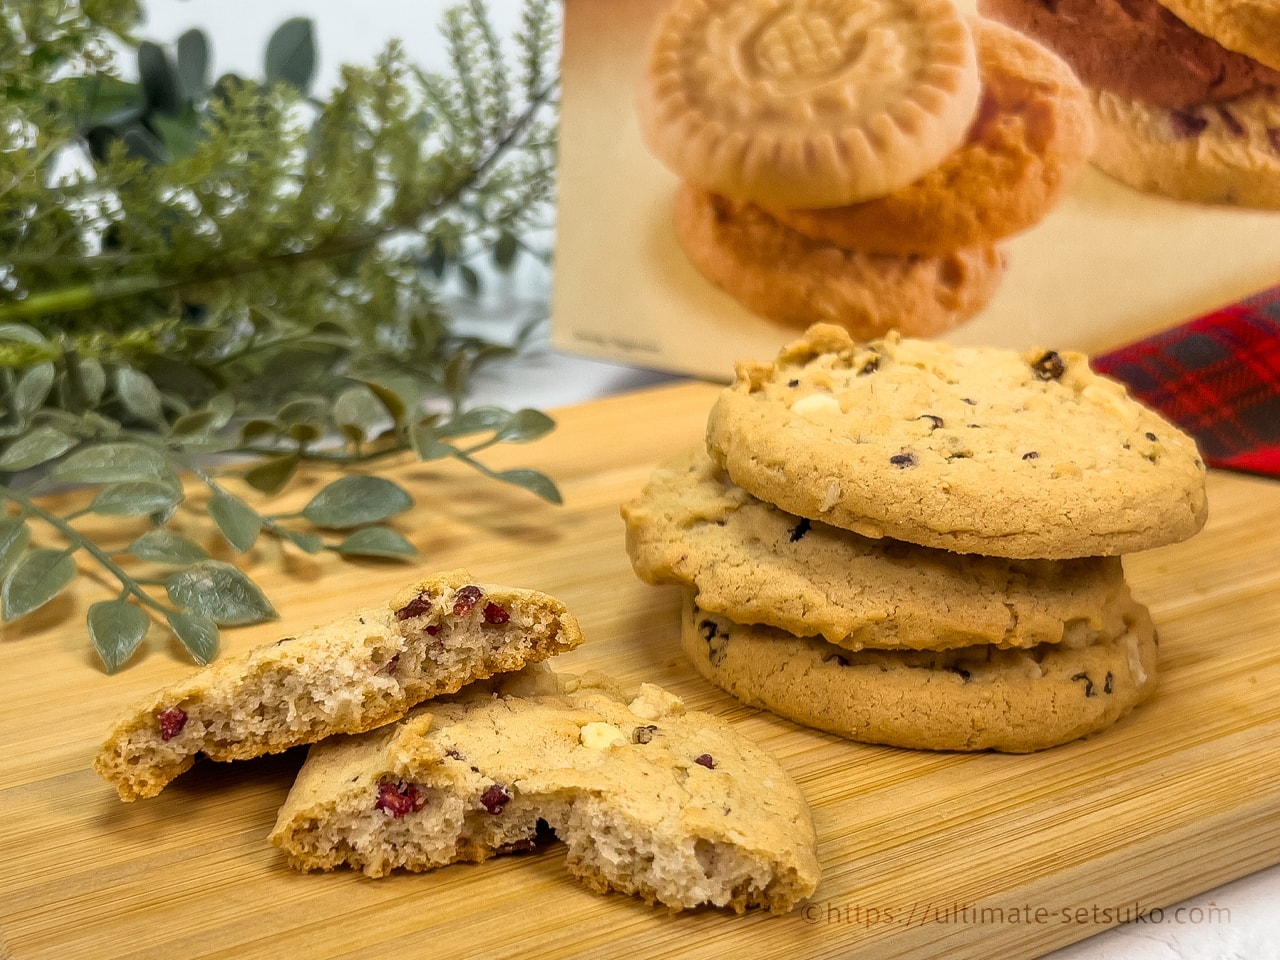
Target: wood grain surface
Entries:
(923, 854)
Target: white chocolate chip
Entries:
(816, 405)
(598, 735)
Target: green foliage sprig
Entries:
(237, 272)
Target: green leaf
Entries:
(219, 592)
(136, 498)
(307, 542)
(291, 54)
(358, 413)
(526, 425)
(198, 634)
(116, 627)
(165, 546)
(139, 395)
(270, 475)
(22, 333)
(112, 462)
(89, 378)
(37, 446)
(193, 63)
(223, 408)
(196, 422)
(159, 79)
(258, 429)
(505, 250)
(475, 420)
(32, 390)
(14, 537)
(180, 134)
(470, 280)
(390, 400)
(353, 501)
(37, 577)
(423, 437)
(533, 481)
(142, 144)
(236, 519)
(376, 542)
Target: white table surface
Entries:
(1238, 921)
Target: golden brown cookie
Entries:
(807, 103)
(1251, 27)
(1224, 153)
(796, 280)
(1032, 135)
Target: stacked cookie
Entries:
(438, 735)
(857, 163)
(1185, 93)
(916, 544)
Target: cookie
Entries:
(754, 563)
(795, 280)
(807, 103)
(1135, 49)
(1225, 153)
(1251, 27)
(358, 672)
(649, 799)
(1031, 136)
(969, 698)
(972, 449)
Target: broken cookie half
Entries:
(649, 799)
(359, 672)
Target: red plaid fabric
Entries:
(1218, 378)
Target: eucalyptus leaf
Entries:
(270, 475)
(306, 542)
(32, 389)
(159, 78)
(112, 462)
(219, 592)
(193, 63)
(139, 395)
(236, 519)
(359, 414)
(533, 481)
(223, 407)
(525, 425)
(253, 431)
(88, 377)
(14, 537)
(291, 54)
(116, 627)
(136, 498)
(39, 445)
(423, 437)
(475, 420)
(470, 280)
(165, 546)
(353, 501)
(376, 542)
(23, 333)
(37, 577)
(190, 424)
(391, 401)
(198, 634)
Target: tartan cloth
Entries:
(1218, 378)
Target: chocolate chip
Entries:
(705, 761)
(934, 420)
(454, 754)
(961, 671)
(903, 460)
(1088, 683)
(1030, 455)
(1108, 683)
(972, 403)
(1186, 124)
(643, 734)
(799, 530)
(871, 366)
(836, 659)
(793, 383)
(1150, 436)
(1050, 366)
(716, 640)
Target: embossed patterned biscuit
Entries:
(807, 103)
(1225, 153)
(969, 698)
(358, 672)
(796, 280)
(1030, 138)
(1251, 27)
(650, 799)
(972, 449)
(754, 563)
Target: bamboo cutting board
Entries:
(923, 854)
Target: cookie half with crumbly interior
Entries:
(967, 698)
(362, 670)
(973, 449)
(650, 799)
(755, 563)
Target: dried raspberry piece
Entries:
(415, 607)
(706, 761)
(399, 798)
(171, 722)
(465, 599)
(495, 614)
(495, 798)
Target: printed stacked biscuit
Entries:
(437, 735)
(857, 163)
(911, 543)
